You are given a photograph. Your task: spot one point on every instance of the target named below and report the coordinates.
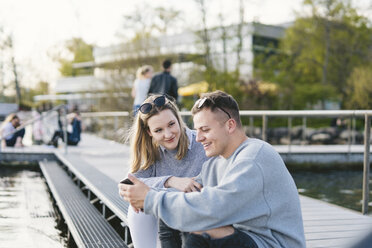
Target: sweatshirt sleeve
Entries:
(148, 177)
(228, 203)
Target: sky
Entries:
(39, 27)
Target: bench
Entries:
(86, 224)
(99, 188)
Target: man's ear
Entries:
(231, 125)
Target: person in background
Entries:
(141, 86)
(11, 123)
(164, 154)
(248, 199)
(73, 131)
(164, 83)
(37, 127)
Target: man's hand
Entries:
(134, 194)
(184, 184)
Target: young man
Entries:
(248, 199)
(164, 82)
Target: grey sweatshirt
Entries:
(252, 190)
(167, 166)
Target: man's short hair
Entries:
(218, 101)
(166, 64)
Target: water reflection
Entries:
(26, 212)
(342, 188)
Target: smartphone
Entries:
(127, 181)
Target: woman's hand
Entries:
(184, 184)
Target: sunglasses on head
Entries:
(147, 107)
(202, 101)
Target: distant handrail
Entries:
(106, 114)
(256, 113)
(33, 120)
(299, 113)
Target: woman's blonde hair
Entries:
(141, 72)
(9, 118)
(144, 150)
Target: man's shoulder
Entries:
(156, 76)
(249, 149)
(173, 78)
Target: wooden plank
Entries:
(330, 228)
(331, 242)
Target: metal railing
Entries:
(41, 117)
(290, 114)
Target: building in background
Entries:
(115, 66)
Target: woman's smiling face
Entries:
(165, 129)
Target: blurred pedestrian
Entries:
(37, 127)
(164, 83)
(73, 131)
(9, 137)
(141, 86)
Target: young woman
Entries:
(165, 154)
(141, 86)
(10, 124)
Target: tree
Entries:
(318, 54)
(80, 51)
(8, 60)
(359, 88)
(204, 35)
(140, 46)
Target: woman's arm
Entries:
(184, 184)
(133, 93)
(150, 179)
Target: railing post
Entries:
(289, 134)
(349, 135)
(264, 128)
(367, 134)
(65, 127)
(353, 131)
(116, 124)
(304, 126)
(251, 126)
(104, 127)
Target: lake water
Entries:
(340, 187)
(27, 217)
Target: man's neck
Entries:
(234, 142)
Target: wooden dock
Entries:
(326, 225)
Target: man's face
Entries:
(212, 132)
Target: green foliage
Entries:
(81, 52)
(319, 53)
(359, 88)
(42, 88)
